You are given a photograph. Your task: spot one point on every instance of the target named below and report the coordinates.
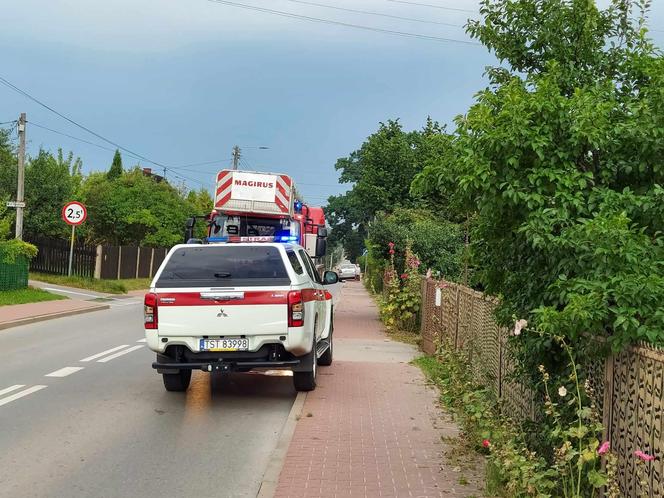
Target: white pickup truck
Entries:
(239, 307)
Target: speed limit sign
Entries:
(74, 213)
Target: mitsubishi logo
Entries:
(221, 313)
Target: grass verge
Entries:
(107, 286)
(28, 295)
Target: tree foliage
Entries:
(134, 209)
(116, 170)
(381, 172)
(437, 242)
(561, 159)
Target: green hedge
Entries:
(15, 258)
(14, 275)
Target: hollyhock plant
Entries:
(604, 448)
(643, 456)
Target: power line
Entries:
(339, 23)
(456, 9)
(70, 136)
(7, 122)
(204, 163)
(10, 85)
(380, 14)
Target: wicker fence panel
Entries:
(629, 387)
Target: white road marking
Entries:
(123, 352)
(20, 394)
(142, 340)
(103, 353)
(63, 372)
(10, 389)
(53, 289)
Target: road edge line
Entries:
(52, 316)
(278, 457)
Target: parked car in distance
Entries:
(347, 271)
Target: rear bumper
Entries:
(222, 366)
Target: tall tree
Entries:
(134, 209)
(115, 171)
(49, 184)
(561, 159)
(381, 172)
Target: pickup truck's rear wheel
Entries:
(306, 381)
(178, 382)
(325, 359)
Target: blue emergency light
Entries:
(298, 206)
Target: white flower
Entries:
(519, 326)
(562, 391)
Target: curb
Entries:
(51, 316)
(278, 457)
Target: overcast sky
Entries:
(182, 81)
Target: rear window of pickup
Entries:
(224, 266)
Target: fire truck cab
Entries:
(260, 207)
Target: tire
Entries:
(326, 358)
(178, 382)
(306, 381)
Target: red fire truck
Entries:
(251, 206)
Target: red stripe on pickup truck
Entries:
(194, 299)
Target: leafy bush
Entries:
(13, 250)
(437, 242)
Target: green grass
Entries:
(107, 286)
(27, 295)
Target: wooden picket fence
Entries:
(96, 261)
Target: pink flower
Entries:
(391, 251)
(644, 456)
(486, 443)
(404, 276)
(604, 448)
(391, 244)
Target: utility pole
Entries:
(236, 156)
(20, 190)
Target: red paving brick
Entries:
(371, 428)
(18, 313)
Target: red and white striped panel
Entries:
(283, 193)
(224, 188)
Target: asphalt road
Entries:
(106, 427)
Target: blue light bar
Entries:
(286, 238)
(217, 239)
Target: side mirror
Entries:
(322, 232)
(321, 247)
(330, 278)
(189, 229)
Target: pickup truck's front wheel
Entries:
(306, 381)
(178, 382)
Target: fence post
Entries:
(117, 274)
(458, 314)
(151, 261)
(98, 259)
(138, 260)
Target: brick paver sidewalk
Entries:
(372, 427)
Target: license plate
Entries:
(227, 344)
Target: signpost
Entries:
(73, 213)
